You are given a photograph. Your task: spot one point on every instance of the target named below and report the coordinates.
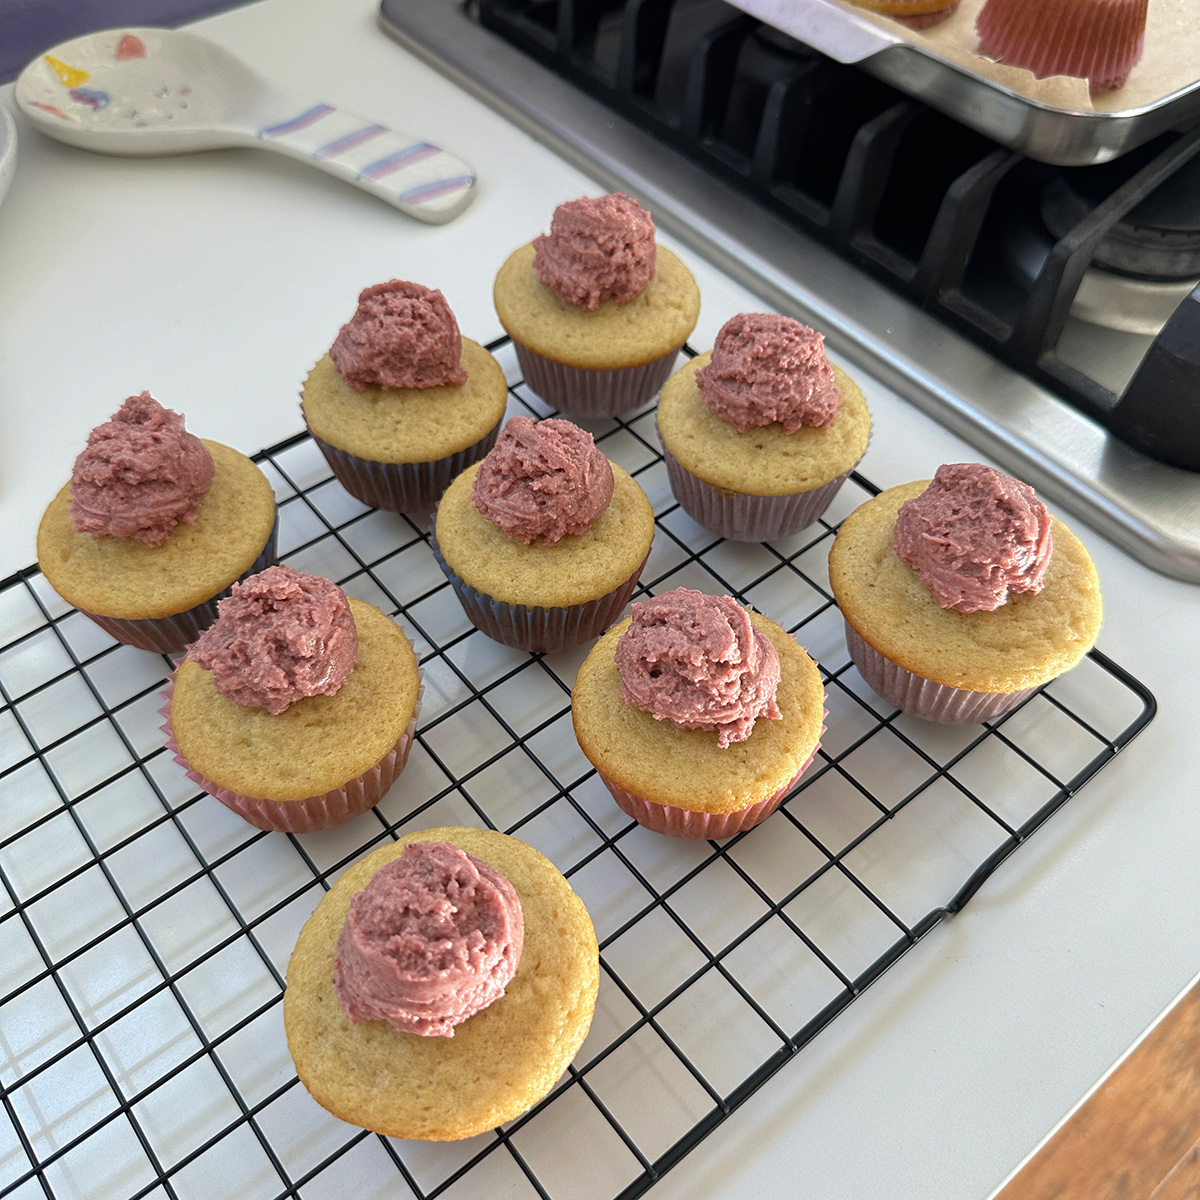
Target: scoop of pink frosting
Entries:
(402, 335)
(141, 474)
(432, 939)
(279, 636)
(697, 660)
(597, 249)
(766, 368)
(543, 479)
(975, 536)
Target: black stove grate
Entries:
(145, 930)
(942, 214)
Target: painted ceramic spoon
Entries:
(164, 91)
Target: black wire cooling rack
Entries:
(145, 930)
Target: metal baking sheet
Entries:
(1056, 125)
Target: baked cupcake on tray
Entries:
(402, 402)
(698, 714)
(962, 595)
(442, 985)
(544, 541)
(597, 311)
(760, 433)
(297, 708)
(154, 527)
(916, 14)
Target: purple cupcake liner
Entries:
(402, 487)
(585, 392)
(741, 516)
(701, 826)
(315, 813)
(539, 630)
(169, 634)
(921, 697)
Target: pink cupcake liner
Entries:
(402, 487)
(702, 826)
(168, 634)
(539, 630)
(921, 697)
(315, 813)
(1097, 40)
(583, 392)
(741, 516)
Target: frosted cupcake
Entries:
(402, 402)
(297, 708)
(759, 434)
(698, 715)
(442, 986)
(962, 595)
(154, 527)
(544, 541)
(596, 310)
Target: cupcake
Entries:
(1097, 40)
(297, 708)
(759, 434)
(154, 527)
(442, 986)
(698, 715)
(402, 402)
(916, 14)
(962, 595)
(544, 540)
(596, 311)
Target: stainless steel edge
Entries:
(1151, 510)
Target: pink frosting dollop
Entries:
(597, 249)
(543, 479)
(697, 661)
(402, 335)
(766, 368)
(279, 637)
(975, 536)
(140, 475)
(435, 937)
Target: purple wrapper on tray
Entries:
(921, 697)
(590, 393)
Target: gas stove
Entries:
(1047, 312)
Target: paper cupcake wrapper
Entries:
(325, 811)
(921, 697)
(539, 630)
(742, 517)
(584, 392)
(702, 826)
(168, 634)
(402, 487)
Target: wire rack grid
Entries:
(145, 930)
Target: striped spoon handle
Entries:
(419, 178)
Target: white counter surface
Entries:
(215, 280)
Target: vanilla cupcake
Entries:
(544, 541)
(759, 434)
(402, 402)
(962, 595)
(916, 14)
(597, 311)
(154, 527)
(417, 1017)
(297, 708)
(698, 715)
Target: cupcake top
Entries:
(975, 536)
(402, 335)
(280, 636)
(698, 661)
(140, 475)
(597, 249)
(543, 479)
(766, 368)
(433, 938)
